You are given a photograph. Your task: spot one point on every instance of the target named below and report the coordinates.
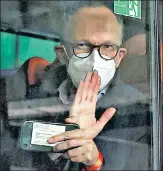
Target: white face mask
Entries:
(78, 68)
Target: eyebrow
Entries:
(83, 40)
(87, 41)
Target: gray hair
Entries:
(68, 25)
(120, 21)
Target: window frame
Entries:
(157, 115)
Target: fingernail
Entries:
(50, 140)
(95, 71)
(67, 138)
(113, 109)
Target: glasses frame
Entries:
(92, 47)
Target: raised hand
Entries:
(83, 109)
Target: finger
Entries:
(76, 152)
(106, 116)
(84, 158)
(71, 119)
(92, 85)
(79, 159)
(70, 144)
(79, 92)
(94, 98)
(78, 133)
(86, 86)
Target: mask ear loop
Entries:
(66, 52)
(69, 61)
(116, 64)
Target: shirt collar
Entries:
(65, 97)
(63, 92)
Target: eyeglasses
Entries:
(106, 50)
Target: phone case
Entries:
(26, 135)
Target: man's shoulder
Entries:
(52, 79)
(126, 90)
(121, 94)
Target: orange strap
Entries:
(97, 165)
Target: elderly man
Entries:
(91, 53)
(94, 47)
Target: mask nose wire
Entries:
(94, 55)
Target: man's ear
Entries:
(121, 54)
(59, 50)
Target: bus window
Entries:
(29, 47)
(7, 51)
(105, 87)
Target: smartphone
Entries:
(34, 134)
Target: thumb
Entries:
(106, 116)
(70, 120)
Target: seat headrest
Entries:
(36, 68)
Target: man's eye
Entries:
(108, 46)
(82, 45)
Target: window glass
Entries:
(7, 51)
(93, 38)
(30, 47)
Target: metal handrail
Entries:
(31, 33)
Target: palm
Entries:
(85, 114)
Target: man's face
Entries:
(94, 30)
(99, 30)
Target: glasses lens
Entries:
(82, 50)
(108, 51)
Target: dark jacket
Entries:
(124, 141)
